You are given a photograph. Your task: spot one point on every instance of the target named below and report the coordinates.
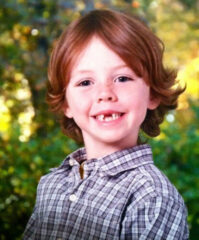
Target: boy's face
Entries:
(106, 99)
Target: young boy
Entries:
(107, 80)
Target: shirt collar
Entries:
(114, 163)
(127, 159)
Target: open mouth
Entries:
(108, 117)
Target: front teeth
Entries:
(114, 116)
(100, 117)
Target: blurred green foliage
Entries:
(30, 138)
(177, 156)
(22, 165)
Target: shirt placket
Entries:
(85, 170)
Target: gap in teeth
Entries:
(110, 117)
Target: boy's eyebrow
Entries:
(114, 68)
(121, 66)
(79, 72)
(83, 71)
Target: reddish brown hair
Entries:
(134, 42)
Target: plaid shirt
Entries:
(120, 196)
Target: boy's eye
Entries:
(123, 79)
(85, 83)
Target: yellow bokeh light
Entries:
(5, 117)
(23, 94)
(18, 76)
(190, 75)
(34, 32)
(22, 138)
(25, 121)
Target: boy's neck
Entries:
(103, 149)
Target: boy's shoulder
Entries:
(64, 167)
(55, 176)
(153, 183)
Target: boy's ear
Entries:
(154, 102)
(67, 111)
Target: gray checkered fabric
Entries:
(121, 196)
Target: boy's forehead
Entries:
(97, 53)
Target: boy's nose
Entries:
(106, 95)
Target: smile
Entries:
(109, 117)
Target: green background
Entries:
(31, 141)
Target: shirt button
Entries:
(71, 162)
(73, 198)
